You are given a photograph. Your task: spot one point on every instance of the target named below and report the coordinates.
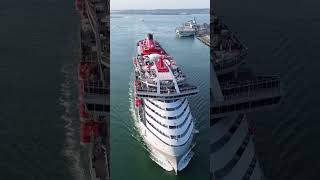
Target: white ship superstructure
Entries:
(235, 91)
(189, 28)
(93, 85)
(185, 31)
(165, 120)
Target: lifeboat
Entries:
(136, 83)
(137, 102)
(81, 89)
(135, 61)
(83, 112)
(135, 86)
(78, 4)
(84, 70)
(86, 129)
(95, 128)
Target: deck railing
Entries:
(166, 91)
(251, 88)
(226, 63)
(94, 88)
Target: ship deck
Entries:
(93, 84)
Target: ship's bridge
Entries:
(245, 93)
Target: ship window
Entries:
(165, 117)
(156, 120)
(213, 121)
(220, 173)
(98, 107)
(223, 140)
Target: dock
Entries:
(203, 34)
(205, 38)
(202, 31)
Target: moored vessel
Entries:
(187, 29)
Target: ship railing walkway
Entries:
(97, 110)
(96, 28)
(94, 88)
(247, 96)
(166, 96)
(98, 160)
(165, 93)
(249, 87)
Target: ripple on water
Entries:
(68, 100)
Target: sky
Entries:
(158, 4)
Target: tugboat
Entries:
(162, 108)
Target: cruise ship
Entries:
(235, 91)
(164, 117)
(93, 85)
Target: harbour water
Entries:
(129, 158)
(38, 117)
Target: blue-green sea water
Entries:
(39, 123)
(129, 159)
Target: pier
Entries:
(203, 34)
(205, 38)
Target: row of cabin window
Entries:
(170, 127)
(167, 117)
(250, 169)
(231, 91)
(171, 136)
(166, 97)
(91, 90)
(98, 107)
(168, 101)
(225, 138)
(167, 109)
(246, 105)
(219, 174)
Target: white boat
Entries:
(160, 95)
(185, 32)
(189, 28)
